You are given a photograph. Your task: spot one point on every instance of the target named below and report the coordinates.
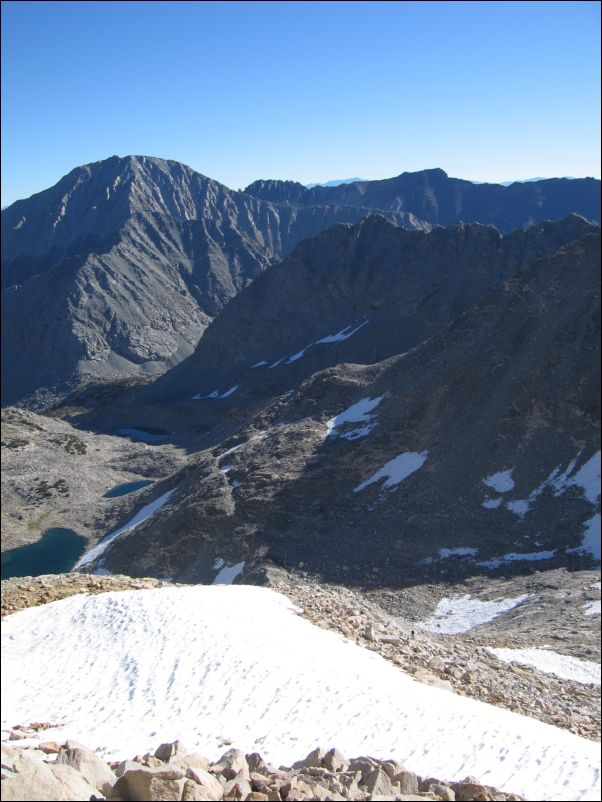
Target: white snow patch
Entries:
(140, 516)
(295, 357)
(595, 585)
(235, 483)
(134, 668)
(230, 451)
(592, 608)
(396, 470)
(344, 334)
(458, 551)
(259, 364)
(519, 507)
(501, 481)
(226, 468)
(217, 564)
(588, 479)
(514, 556)
(464, 613)
(561, 665)
(228, 574)
(356, 413)
(492, 503)
(216, 394)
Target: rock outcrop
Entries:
(77, 773)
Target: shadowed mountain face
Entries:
(475, 453)
(398, 286)
(434, 197)
(116, 270)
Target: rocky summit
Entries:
(124, 263)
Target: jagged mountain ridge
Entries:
(510, 387)
(400, 286)
(432, 196)
(123, 263)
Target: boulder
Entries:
(9, 757)
(70, 778)
(259, 782)
(335, 761)
(257, 796)
(364, 765)
(315, 758)
(90, 766)
(210, 783)
(168, 751)
(194, 793)
(127, 765)
(306, 787)
(391, 767)
(149, 784)
(256, 763)
(378, 782)
(194, 760)
(231, 764)
(471, 789)
(237, 789)
(441, 791)
(36, 780)
(408, 781)
(50, 747)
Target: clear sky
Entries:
(306, 91)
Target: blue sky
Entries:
(305, 91)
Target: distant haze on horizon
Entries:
(488, 91)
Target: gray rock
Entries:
(314, 758)
(127, 765)
(195, 793)
(237, 789)
(36, 780)
(170, 751)
(213, 787)
(378, 782)
(335, 761)
(471, 789)
(90, 766)
(408, 781)
(149, 784)
(256, 763)
(231, 764)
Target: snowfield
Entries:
(124, 671)
(550, 662)
(463, 613)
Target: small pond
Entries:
(145, 434)
(128, 487)
(55, 553)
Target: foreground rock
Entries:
(171, 773)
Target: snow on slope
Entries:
(356, 413)
(140, 516)
(550, 662)
(124, 671)
(461, 614)
(396, 470)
